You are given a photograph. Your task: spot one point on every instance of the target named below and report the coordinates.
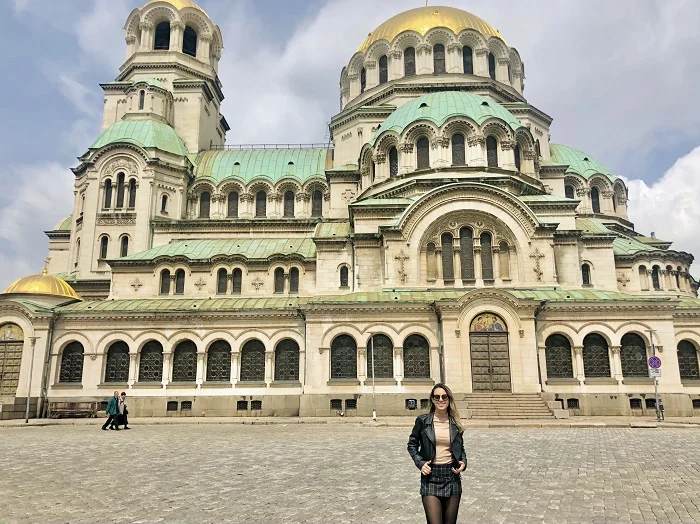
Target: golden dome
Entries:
(423, 19)
(43, 284)
(178, 4)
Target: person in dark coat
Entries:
(112, 412)
(436, 446)
(123, 412)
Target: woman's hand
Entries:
(425, 470)
(460, 469)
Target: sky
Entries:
(619, 78)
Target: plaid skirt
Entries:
(441, 482)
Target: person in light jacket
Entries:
(436, 446)
(112, 412)
(123, 412)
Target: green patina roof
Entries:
(332, 230)
(150, 82)
(546, 198)
(630, 246)
(379, 202)
(579, 162)
(591, 225)
(146, 134)
(65, 224)
(250, 248)
(186, 304)
(271, 164)
(350, 168)
(439, 107)
(576, 295)
(689, 303)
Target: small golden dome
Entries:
(43, 284)
(178, 4)
(423, 19)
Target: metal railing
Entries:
(240, 147)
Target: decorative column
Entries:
(454, 58)
(406, 158)
(423, 54)
(502, 70)
(177, 31)
(542, 361)
(372, 72)
(457, 260)
(354, 85)
(247, 200)
(585, 196)
(171, 290)
(476, 151)
(578, 363)
(395, 62)
(204, 47)
(234, 367)
(381, 167)
(269, 366)
(398, 364)
(477, 260)
(146, 36)
(130, 46)
(496, 258)
(481, 62)
(302, 366)
(507, 160)
(608, 202)
(132, 368)
(438, 266)
(362, 364)
(439, 147)
(617, 363)
(166, 367)
(200, 368)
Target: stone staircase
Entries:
(501, 405)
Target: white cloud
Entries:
(669, 206)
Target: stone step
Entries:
(504, 405)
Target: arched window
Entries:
(688, 360)
(458, 151)
(669, 277)
(204, 204)
(289, 204)
(468, 60)
(189, 41)
(655, 280)
(237, 281)
(516, 154)
(165, 282)
(677, 274)
(316, 203)
(448, 271)
(142, 100)
(343, 358)
(466, 251)
(180, 282)
(383, 349)
(558, 357)
(72, 363)
(586, 274)
(633, 356)
(439, 59)
(492, 151)
(104, 244)
(643, 280)
(287, 360)
(219, 362)
(261, 204)
(596, 359)
(383, 70)
(185, 362)
(363, 80)
(132, 193)
(538, 152)
(510, 75)
(492, 66)
(162, 38)
(486, 257)
(124, 248)
(232, 205)
(294, 280)
(430, 259)
(614, 203)
(393, 162)
(120, 190)
(151, 362)
(117, 368)
(423, 153)
(595, 199)
(77, 252)
(409, 61)
(164, 204)
(504, 260)
(344, 276)
(108, 194)
(253, 361)
(221, 281)
(279, 280)
(569, 191)
(416, 357)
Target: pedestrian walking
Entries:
(112, 412)
(436, 445)
(123, 412)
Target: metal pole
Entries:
(374, 402)
(656, 380)
(29, 386)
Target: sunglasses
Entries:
(441, 397)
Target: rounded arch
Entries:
(564, 330)
(440, 35)
(252, 334)
(417, 329)
(492, 301)
(107, 340)
(357, 62)
(146, 337)
(341, 329)
(496, 128)
(260, 185)
(203, 186)
(9, 317)
(459, 124)
(183, 335)
(191, 17)
(160, 12)
(405, 40)
(498, 48)
(473, 39)
(216, 336)
(377, 49)
(601, 182)
(61, 342)
(420, 129)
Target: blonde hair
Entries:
(452, 410)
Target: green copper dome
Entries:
(440, 107)
(579, 162)
(147, 134)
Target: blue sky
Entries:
(617, 77)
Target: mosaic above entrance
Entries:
(488, 322)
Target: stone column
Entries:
(247, 203)
(423, 55)
(302, 367)
(354, 81)
(457, 260)
(177, 31)
(477, 151)
(477, 261)
(507, 156)
(146, 36)
(200, 368)
(166, 367)
(406, 158)
(617, 363)
(578, 363)
(130, 46)
(453, 58)
(481, 62)
(542, 360)
(133, 368)
(395, 62)
(585, 196)
(502, 70)
(203, 48)
(362, 364)
(398, 364)
(269, 367)
(234, 366)
(438, 266)
(372, 74)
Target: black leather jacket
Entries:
(421, 443)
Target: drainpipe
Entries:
(441, 354)
(47, 363)
(538, 310)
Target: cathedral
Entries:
(440, 235)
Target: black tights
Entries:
(441, 510)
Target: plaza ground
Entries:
(341, 472)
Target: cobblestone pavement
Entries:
(341, 473)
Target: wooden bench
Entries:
(73, 409)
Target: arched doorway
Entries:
(11, 344)
(488, 340)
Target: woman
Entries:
(436, 445)
(112, 412)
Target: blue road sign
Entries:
(654, 362)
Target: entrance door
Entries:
(11, 345)
(489, 354)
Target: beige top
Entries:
(443, 455)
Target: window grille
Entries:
(424, 403)
(409, 61)
(287, 360)
(458, 151)
(572, 403)
(165, 282)
(242, 405)
(132, 193)
(279, 280)
(294, 280)
(316, 204)
(416, 358)
(655, 281)
(492, 66)
(120, 190)
(491, 152)
(204, 204)
(468, 60)
(289, 204)
(162, 36)
(383, 70)
(383, 357)
(108, 194)
(261, 204)
(255, 405)
(124, 251)
(189, 42)
(439, 59)
(350, 403)
(117, 368)
(636, 403)
(558, 357)
(104, 244)
(221, 281)
(185, 362)
(586, 274)
(650, 403)
(486, 257)
(219, 361)
(72, 363)
(180, 282)
(171, 405)
(393, 162)
(151, 362)
(595, 199)
(343, 357)
(186, 405)
(232, 211)
(237, 281)
(688, 361)
(596, 358)
(336, 404)
(423, 153)
(633, 356)
(253, 361)
(448, 272)
(344, 276)
(696, 403)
